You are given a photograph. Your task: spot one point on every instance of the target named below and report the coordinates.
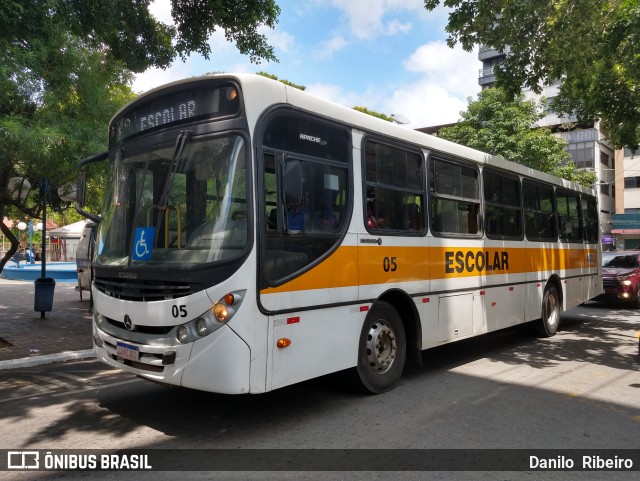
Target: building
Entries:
(626, 220)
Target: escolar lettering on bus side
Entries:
(475, 261)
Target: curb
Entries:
(50, 358)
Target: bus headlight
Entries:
(221, 312)
(201, 327)
(182, 334)
(212, 320)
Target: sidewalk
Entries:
(27, 340)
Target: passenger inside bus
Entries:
(372, 222)
(295, 218)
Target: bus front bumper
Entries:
(218, 363)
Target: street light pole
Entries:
(43, 269)
(44, 190)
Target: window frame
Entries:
(519, 208)
(559, 215)
(419, 191)
(433, 195)
(296, 240)
(553, 212)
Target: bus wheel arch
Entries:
(406, 307)
(382, 349)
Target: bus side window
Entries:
(394, 188)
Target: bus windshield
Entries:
(175, 205)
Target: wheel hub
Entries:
(381, 347)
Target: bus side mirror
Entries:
(292, 182)
(81, 189)
(81, 186)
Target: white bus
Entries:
(254, 236)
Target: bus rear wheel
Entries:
(382, 351)
(547, 326)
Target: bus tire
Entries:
(547, 326)
(382, 350)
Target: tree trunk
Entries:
(14, 243)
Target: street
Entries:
(506, 390)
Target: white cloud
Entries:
(155, 77)
(396, 27)
(327, 48)
(426, 103)
(337, 94)
(367, 18)
(439, 64)
(161, 9)
(447, 78)
(281, 41)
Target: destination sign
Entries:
(189, 102)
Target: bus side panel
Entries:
(428, 311)
(322, 341)
(592, 278)
(505, 292)
(230, 375)
(504, 306)
(541, 259)
(533, 303)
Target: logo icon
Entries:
(23, 460)
(128, 323)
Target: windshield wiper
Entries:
(181, 143)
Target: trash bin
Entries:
(43, 300)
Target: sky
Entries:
(390, 56)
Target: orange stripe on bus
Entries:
(350, 266)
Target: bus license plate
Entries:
(127, 351)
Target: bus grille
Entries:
(155, 330)
(142, 291)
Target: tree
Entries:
(373, 113)
(127, 31)
(55, 127)
(286, 82)
(592, 46)
(493, 123)
(65, 67)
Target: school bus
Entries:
(254, 236)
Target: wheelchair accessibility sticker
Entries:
(143, 243)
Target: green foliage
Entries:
(62, 117)
(592, 45)
(128, 33)
(493, 123)
(286, 82)
(373, 113)
(197, 19)
(66, 66)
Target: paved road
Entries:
(505, 390)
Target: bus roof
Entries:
(262, 92)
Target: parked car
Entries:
(621, 276)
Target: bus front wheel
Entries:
(547, 326)
(382, 350)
